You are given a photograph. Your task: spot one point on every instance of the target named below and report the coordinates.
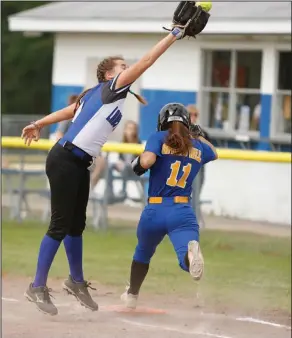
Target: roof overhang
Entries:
(21, 24)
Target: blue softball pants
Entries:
(176, 220)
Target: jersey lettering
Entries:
(172, 180)
(114, 117)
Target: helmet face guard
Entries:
(173, 112)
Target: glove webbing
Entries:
(194, 17)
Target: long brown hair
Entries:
(135, 136)
(105, 66)
(179, 138)
(72, 99)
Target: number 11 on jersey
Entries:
(172, 180)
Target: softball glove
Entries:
(189, 18)
(196, 130)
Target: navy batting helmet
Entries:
(172, 112)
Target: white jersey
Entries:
(99, 113)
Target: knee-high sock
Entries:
(48, 250)
(73, 247)
(138, 274)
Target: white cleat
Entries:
(196, 260)
(129, 300)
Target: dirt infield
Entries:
(156, 316)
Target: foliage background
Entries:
(26, 64)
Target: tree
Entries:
(26, 65)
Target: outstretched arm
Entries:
(58, 116)
(131, 74)
(32, 131)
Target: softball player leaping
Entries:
(174, 159)
(96, 114)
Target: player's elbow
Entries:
(147, 160)
(131, 74)
(146, 62)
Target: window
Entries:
(217, 70)
(231, 89)
(283, 94)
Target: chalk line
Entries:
(241, 319)
(12, 300)
(263, 322)
(173, 329)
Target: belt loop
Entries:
(155, 200)
(175, 199)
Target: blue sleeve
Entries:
(208, 153)
(154, 144)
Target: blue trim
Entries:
(146, 184)
(60, 95)
(156, 100)
(265, 121)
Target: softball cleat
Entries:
(42, 299)
(129, 300)
(80, 291)
(196, 260)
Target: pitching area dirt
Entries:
(156, 316)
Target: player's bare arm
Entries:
(66, 113)
(148, 159)
(131, 74)
(32, 131)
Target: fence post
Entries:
(21, 186)
(104, 221)
(197, 184)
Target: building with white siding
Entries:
(238, 71)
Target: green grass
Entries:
(241, 268)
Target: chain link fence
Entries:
(26, 193)
(12, 125)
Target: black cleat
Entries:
(80, 291)
(42, 298)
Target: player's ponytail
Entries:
(139, 97)
(79, 99)
(179, 138)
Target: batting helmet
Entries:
(173, 112)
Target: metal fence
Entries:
(12, 125)
(25, 186)
(26, 193)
